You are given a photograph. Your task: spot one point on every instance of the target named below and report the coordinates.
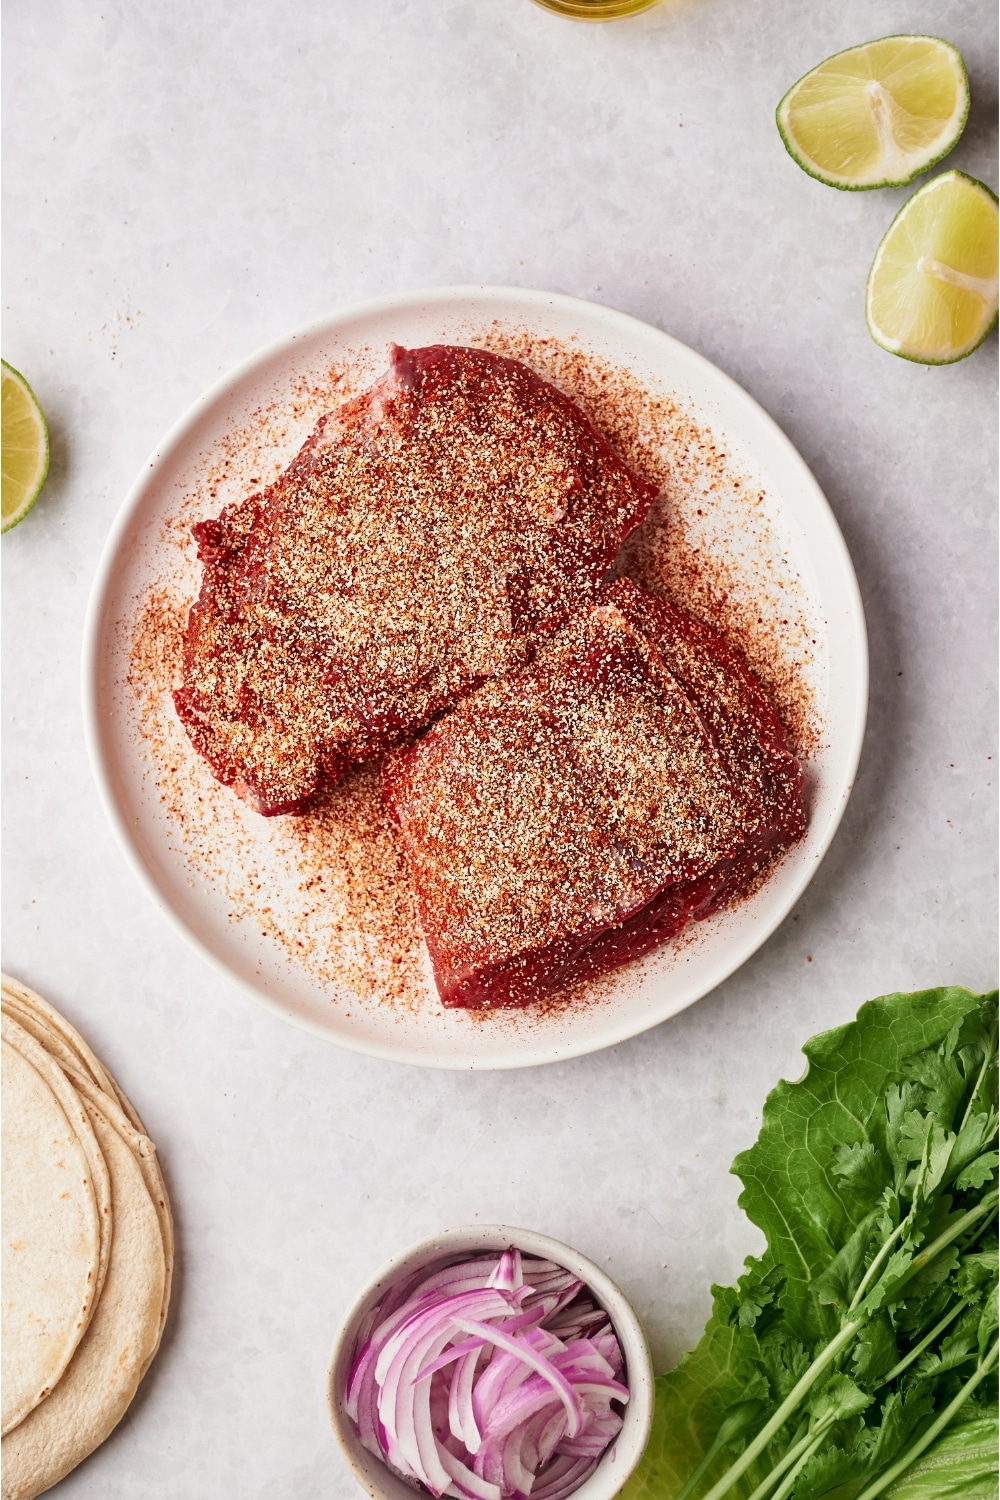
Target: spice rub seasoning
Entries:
(328, 888)
(420, 539)
(709, 543)
(567, 819)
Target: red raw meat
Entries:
(421, 538)
(568, 818)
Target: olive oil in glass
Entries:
(596, 10)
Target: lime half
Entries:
(25, 446)
(932, 288)
(877, 115)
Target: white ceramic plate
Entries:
(143, 546)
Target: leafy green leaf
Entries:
(826, 1182)
(977, 1271)
(978, 1173)
(783, 1360)
(755, 1294)
(902, 1120)
(960, 1465)
(889, 1213)
(742, 1420)
(860, 1171)
(824, 1472)
(894, 1278)
(978, 1130)
(940, 1145)
(836, 1286)
(876, 1351)
(839, 1398)
(790, 1190)
(932, 1275)
(942, 1078)
(914, 1133)
(691, 1404)
(901, 1415)
(957, 1348)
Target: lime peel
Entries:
(25, 443)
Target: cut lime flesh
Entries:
(25, 446)
(877, 115)
(932, 288)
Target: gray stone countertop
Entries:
(187, 181)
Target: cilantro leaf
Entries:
(942, 1079)
(978, 1173)
(790, 1188)
(901, 1415)
(860, 1172)
(868, 1267)
(824, 1472)
(755, 1294)
(876, 1351)
(782, 1360)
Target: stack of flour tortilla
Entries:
(87, 1247)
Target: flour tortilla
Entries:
(34, 1026)
(128, 1318)
(61, 1039)
(97, 1387)
(78, 1118)
(51, 1238)
(68, 1047)
(144, 1152)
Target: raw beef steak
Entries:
(570, 817)
(422, 536)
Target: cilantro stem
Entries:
(919, 1261)
(918, 1349)
(702, 1469)
(877, 1263)
(986, 1205)
(838, 1344)
(791, 1401)
(788, 1482)
(990, 1052)
(737, 1424)
(927, 1437)
(794, 1453)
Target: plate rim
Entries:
(532, 298)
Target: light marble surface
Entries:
(185, 181)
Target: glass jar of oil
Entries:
(596, 10)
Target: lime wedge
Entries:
(25, 446)
(877, 115)
(932, 288)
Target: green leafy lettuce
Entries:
(857, 1356)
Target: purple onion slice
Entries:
(497, 1378)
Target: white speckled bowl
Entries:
(374, 1477)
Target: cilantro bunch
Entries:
(857, 1357)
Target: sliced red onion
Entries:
(521, 1350)
(461, 1418)
(509, 1273)
(564, 1475)
(490, 1379)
